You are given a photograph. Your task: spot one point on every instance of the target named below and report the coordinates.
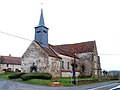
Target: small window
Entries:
(62, 64)
(68, 67)
(44, 31)
(83, 68)
(38, 31)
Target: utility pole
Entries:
(74, 65)
(74, 73)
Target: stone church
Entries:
(58, 59)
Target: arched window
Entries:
(83, 68)
(33, 68)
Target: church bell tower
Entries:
(41, 32)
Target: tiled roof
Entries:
(70, 49)
(49, 51)
(10, 60)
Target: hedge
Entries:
(36, 76)
(15, 75)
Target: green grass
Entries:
(5, 75)
(37, 82)
(63, 81)
(68, 81)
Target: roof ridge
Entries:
(75, 43)
(69, 49)
(43, 47)
(10, 56)
(53, 51)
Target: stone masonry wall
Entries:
(91, 64)
(96, 66)
(85, 64)
(55, 67)
(35, 54)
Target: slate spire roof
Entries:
(41, 31)
(41, 22)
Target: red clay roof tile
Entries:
(49, 51)
(11, 60)
(70, 49)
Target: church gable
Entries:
(33, 50)
(35, 54)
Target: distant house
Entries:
(10, 63)
(58, 59)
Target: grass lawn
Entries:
(63, 81)
(36, 82)
(5, 75)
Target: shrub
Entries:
(15, 75)
(36, 76)
(25, 77)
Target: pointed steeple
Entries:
(41, 22)
(41, 32)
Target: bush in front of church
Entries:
(15, 75)
(36, 75)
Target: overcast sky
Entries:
(69, 21)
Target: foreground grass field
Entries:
(63, 81)
(5, 75)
